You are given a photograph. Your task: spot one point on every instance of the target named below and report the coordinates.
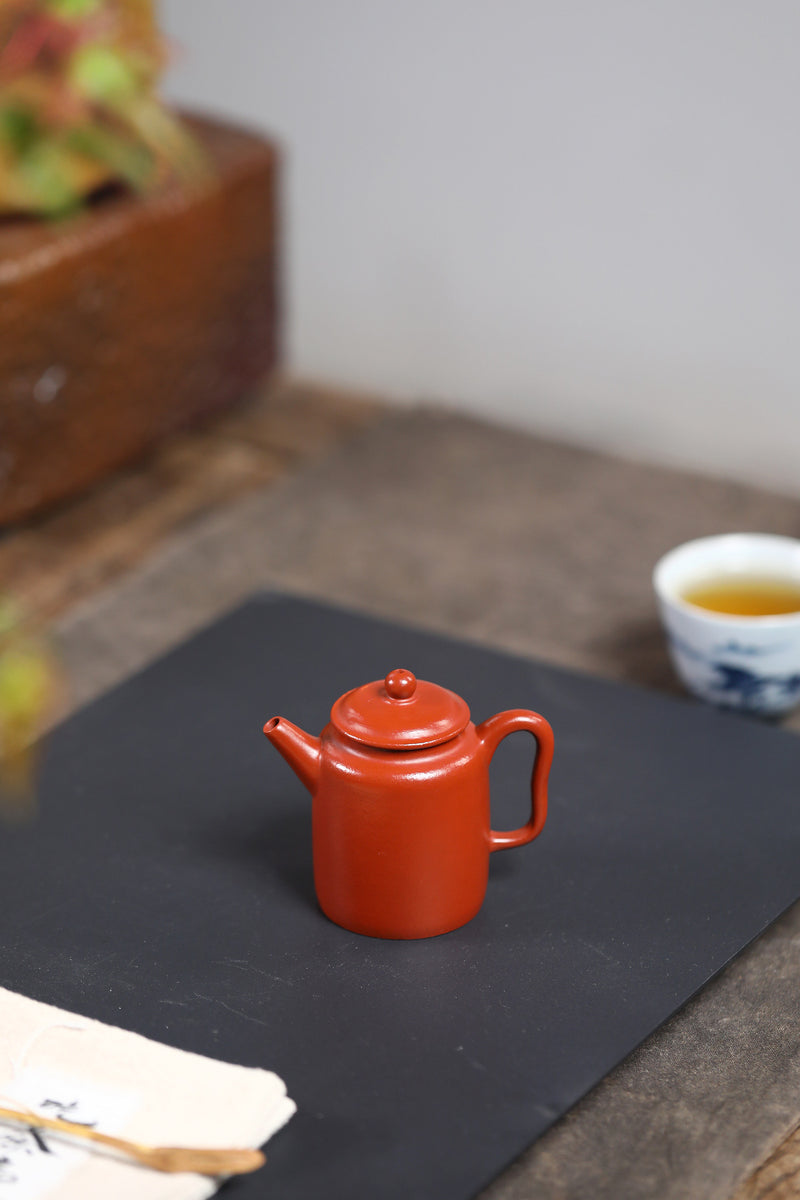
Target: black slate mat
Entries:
(167, 888)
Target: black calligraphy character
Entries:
(7, 1171)
(65, 1112)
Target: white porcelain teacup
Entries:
(750, 663)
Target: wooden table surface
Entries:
(54, 563)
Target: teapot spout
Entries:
(301, 750)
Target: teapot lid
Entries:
(400, 712)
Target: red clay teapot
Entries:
(400, 820)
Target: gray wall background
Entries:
(574, 216)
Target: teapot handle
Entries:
(491, 734)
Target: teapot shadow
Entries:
(503, 866)
(278, 844)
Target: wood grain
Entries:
(779, 1177)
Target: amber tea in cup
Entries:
(746, 595)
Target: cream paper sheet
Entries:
(65, 1065)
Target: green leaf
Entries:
(18, 127)
(45, 171)
(74, 10)
(127, 160)
(24, 683)
(10, 616)
(102, 74)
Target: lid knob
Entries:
(400, 684)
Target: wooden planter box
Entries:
(133, 319)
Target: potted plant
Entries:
(137, 250)
(78, 107)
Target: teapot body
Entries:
(400, 817)
(401, 839)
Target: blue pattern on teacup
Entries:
(729, 681)
(744, 689)
(751, 651)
